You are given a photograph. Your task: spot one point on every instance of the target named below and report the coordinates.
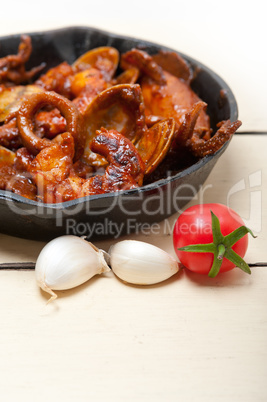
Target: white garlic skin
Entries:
(141, 263)
(67, 262)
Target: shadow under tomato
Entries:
(235, 277)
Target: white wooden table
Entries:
(190, 338)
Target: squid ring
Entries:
(29, 108)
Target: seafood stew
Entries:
(164, 191)
(107, 122)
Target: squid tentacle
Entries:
(28, 110)
(200, 148)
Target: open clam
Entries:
(104, 59)
(174, 64)
(7, 157)
(155, 144)
(11, 99)
(121, 108)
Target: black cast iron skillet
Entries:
(108, 215)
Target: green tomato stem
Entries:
(221, 247)
(221, 251)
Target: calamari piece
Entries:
(27, 111)
(7, 172)
(11, 99)
(174, 64)
(200, 147)
(9, 135)
(82, 169)
(52, 166)
(13, 179)
(145, 63)
(105, 59)
(155, 144)
(120, 108)
(49, 123)
(57, 79)
(23, 159)
(20, 183)
(53, 172)
(12, 67)
(125, 170)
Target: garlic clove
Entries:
(141, 263)
(67, 262)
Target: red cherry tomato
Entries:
(194, 226)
